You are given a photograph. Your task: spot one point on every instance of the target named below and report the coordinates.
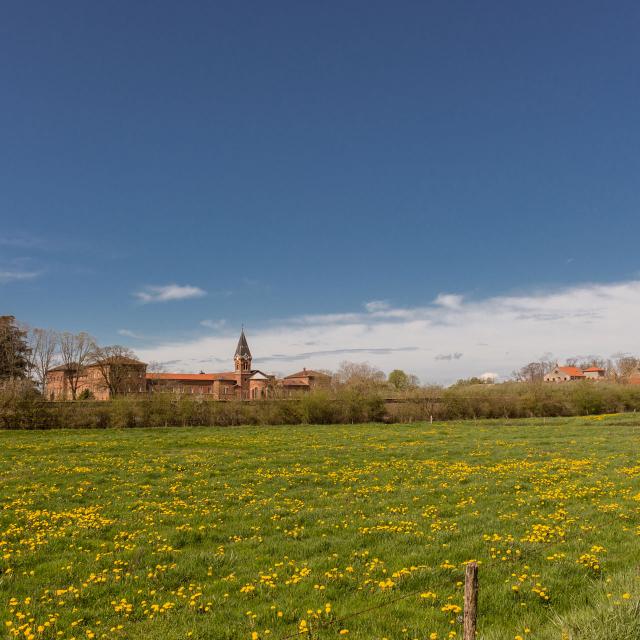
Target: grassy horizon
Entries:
(262, 532)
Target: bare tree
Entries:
(534, 371)
(360, 375)
(119, 369)
(75, 351)
(44, 345)
(158, 384)
(584, 362)
(155, 366)
(625, 365)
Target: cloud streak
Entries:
(17, 275)
(216, 325)
(20, 241)
(168, 293)
(495, 334)
(449, 356)
(127, 333)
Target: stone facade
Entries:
(305, 380)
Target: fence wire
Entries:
(331, 623)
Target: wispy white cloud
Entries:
(376, 305)
(20, 240)
(127, 333)
(168, 293)
(449, 300)
(213, 324)
(495, 334)
(14, 275)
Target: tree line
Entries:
(617, 369)
(28, 354)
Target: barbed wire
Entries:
(330, 623)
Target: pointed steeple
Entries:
(242, 357)
(242, 350)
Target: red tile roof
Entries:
(294, 383)
(593, 369)
(307, 373)
(572, 371)
(202, 377)
(112, 360)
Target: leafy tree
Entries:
(14, 350)
(401, 380)
(465, 382)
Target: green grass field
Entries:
(240, 533)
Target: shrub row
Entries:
(511, 400)
(517, 400)
(165, 410)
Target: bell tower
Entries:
(242, 357)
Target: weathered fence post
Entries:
(470, 614)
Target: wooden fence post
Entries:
(470, 613)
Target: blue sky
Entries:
(171, 170)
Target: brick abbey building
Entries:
(97, 380)
(243, 383)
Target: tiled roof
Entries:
(307, 373)
(572, 371)
(110, 360)
(294, 383)
(593, 369)
(202, 377)
(64, 367)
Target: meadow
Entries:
(263, 533)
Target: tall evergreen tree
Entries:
(14, 349)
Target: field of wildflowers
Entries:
(263, 533)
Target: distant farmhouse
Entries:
(243, 383)
(567, 374)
